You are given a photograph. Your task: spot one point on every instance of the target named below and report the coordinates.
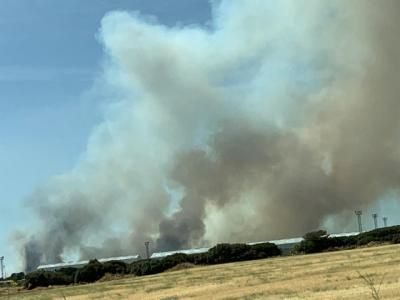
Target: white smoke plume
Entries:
(275, 117)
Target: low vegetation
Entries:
(318, 241)
(327, 275)
(94, 270)
(314, 242)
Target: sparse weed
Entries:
(370, 282)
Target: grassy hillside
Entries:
(333, 275)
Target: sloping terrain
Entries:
(332, 275)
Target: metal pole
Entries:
(147, 250)
(385, 221)
(2, 266)
(358, 214)
(375, 217)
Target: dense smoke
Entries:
(275, 117)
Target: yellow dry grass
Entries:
(333, 275)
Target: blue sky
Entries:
(49, 59)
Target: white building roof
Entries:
(279, 242)
(186, 251)
(299, 239)
(344, 234)
(120, 258)
(84, 262)
(63, 265)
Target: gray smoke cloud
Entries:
(276, 117)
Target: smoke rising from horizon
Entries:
(261, 126)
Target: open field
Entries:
(333, 275)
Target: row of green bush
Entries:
(95, 270)
(318, 241)
(91, 272)
(221, 253)
(14, 277)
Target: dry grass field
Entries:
(333, 275)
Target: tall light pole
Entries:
(147, 249)
(358, 214)
(375, 217)
(384, 221)
(2, 266)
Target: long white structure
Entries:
(344, 234)
(287, 245)
(80, 264)
(158, 255)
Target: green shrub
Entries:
(154, 266)
(69, 271)
(147, 267)
(16, 276)
(174, 259)
(315, 241)
(198, 258)
(342, 242)
(115, 267)
(91, 272)
(46, 278)
(386, 234)
(265, 250)
(396, 238)
(224, 253)
(318, 241)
